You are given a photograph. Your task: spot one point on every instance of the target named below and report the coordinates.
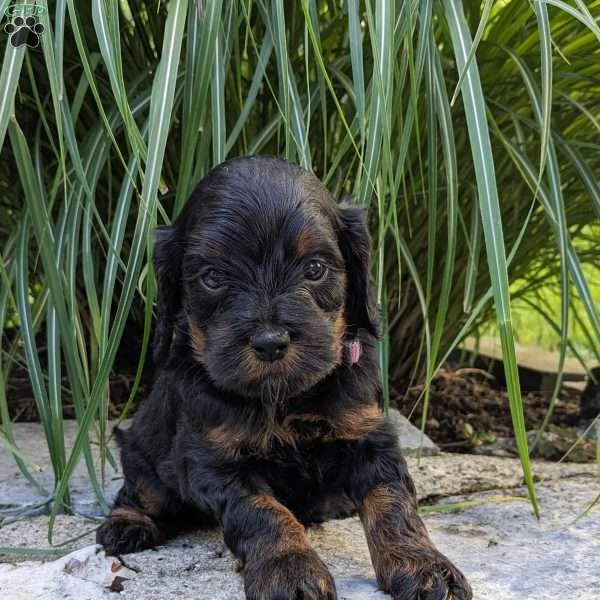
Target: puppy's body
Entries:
(265, 417)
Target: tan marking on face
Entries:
(256, 370)
(339, 329)
(305, 241)
(198, 341)
(252, 367)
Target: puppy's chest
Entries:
(312, 482)
(296, 434)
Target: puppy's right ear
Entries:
(355, 244)
(167, 267)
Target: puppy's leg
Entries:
(278, 560)
(138, 518)
(407, 564)
(145, 512)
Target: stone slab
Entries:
(504, 551)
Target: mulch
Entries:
(467, 413)
(22, 406)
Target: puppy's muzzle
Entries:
(270, 344)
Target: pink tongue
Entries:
(355, 350)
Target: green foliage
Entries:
(477, 162)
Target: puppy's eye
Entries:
(315, 270)
(212, 279)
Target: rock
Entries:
(457, 474)
(84, 574)
(501, 548)
(411, 438)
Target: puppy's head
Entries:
(261, 277)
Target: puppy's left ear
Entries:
(355, 243)
(167, 267)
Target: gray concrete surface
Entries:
(503, 550)
(16, 492)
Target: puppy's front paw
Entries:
(289, 576)
(427, 575)
(127, 530)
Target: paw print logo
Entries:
(24, 31)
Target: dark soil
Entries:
(467, 413)
(22, 407)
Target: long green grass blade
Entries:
(541, 13)
(163, 95)
(204, 26)
(472, 95)
(485, 15)
(105, 15)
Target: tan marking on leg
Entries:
(278, 561)
(293, 535)
(396, 535)
(376, 507)
(134, 516)
(151, 497)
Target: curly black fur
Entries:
(262, 447)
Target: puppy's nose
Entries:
(270, 344)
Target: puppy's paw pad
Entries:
(293, 576)
(120, 535)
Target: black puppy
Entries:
(265, 417)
